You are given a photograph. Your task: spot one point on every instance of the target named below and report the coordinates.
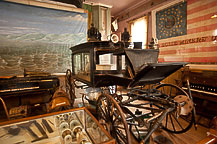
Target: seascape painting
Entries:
(38, 39)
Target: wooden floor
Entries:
(190, 137)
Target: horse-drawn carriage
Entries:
(132, 102)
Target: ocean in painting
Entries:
(38, 39)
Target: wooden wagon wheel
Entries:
(112, 118)
(180, 120)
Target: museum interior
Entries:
(108, 71)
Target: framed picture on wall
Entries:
(38, 38)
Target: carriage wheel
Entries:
(181, 119)
(111, 117)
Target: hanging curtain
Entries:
(139, 31)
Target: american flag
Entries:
(200, 43)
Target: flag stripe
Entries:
(189, 50)
(198, 3)
(195, 54)
(202, 23)
(194, 35)
(189, 41)
(203, 7)
(200, 18)
(196, 45)
(191, 1)
(191, 59)
(168, 52)
(203, 12)
(202, 28)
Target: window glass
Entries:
(139, 31)
(107, 62)
(82, 65)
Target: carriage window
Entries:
(123, 62)
(107, 62)
(82, 65)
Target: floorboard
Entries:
(190, 137)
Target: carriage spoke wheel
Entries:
(111, 117)
(181, 119)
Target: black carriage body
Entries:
(128, 67)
